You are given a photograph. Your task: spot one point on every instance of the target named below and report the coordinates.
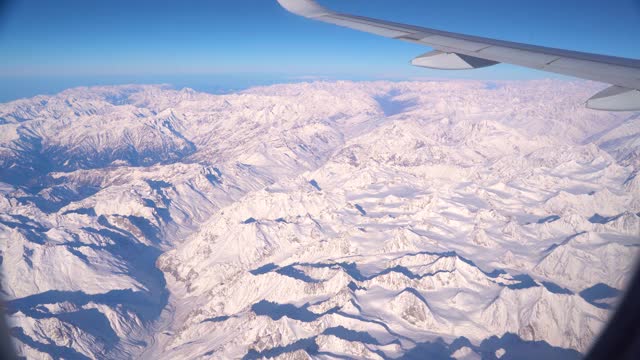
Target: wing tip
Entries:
(306, 8)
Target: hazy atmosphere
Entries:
(213, 45)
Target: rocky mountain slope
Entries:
(323, 220)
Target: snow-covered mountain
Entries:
(316, 220)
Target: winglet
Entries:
(306, 8)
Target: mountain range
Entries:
(329, 220)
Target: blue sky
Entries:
(46, 45)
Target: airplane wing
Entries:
(457, 51)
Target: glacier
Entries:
(365, 220)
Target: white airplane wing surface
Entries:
(457, 51)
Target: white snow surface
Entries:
(365, 220)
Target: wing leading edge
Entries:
(457, 51)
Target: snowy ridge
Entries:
(316, 220)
